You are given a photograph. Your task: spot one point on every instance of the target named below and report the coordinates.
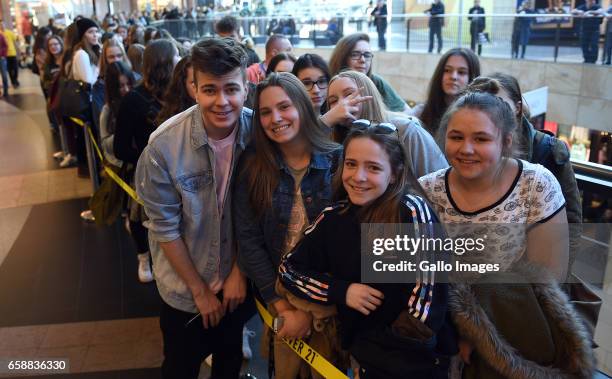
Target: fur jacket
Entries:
(521, 330)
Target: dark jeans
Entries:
(608, 50)
(75, 138)
(13, 70)
(435, 30)
(185, 347)
(515, 43)
(475, 41)
(140, 235)
(590, 45)
(5, 79)
(382, 41)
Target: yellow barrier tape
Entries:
(126, 187)
(302, 349)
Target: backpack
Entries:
(549, 151)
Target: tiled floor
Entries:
(89, 346)
(68, 289)
(42, 187)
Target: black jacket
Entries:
(328, 260)
(436, 9)
(135, 123)
(477, 24)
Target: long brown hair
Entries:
(262, 169)
(92, 53)
(177, 98)
(71, 39)
(112, 92)
(340, 55)
(386, 208)
(435, 105)
(157, 66)
(50, 58)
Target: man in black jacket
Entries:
(477, 26)
(436, 22)
(380, 20)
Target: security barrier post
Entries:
(91, 161)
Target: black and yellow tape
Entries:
(301, 348)
(129, 190)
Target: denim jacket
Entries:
(175, 179)
(261, 241)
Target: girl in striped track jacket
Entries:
(391, 330)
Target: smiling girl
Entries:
(283, 184)
(455, 70)
(391, 330)
(352, 95)
(520, 207)
(486, 184)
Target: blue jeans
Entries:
(590, 45)
(5, 83)
(435, 30)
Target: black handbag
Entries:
(75, 99)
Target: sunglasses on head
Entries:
(377, 127)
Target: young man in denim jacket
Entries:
(184, 177)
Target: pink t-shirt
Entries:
(224, 150)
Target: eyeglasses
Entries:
(309, 84)
(356, 55)
(378, 128)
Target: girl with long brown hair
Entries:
(455, 70)
(86, 52)
(135, 122)
(283, 184)
(180, 94)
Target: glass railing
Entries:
(595, 184)
(549, 37)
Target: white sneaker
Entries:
(58, 155)
(144, 268)
(247, 353)
(68, 161)
(88, 215)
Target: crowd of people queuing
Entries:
(192, 23)
(255, 177)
